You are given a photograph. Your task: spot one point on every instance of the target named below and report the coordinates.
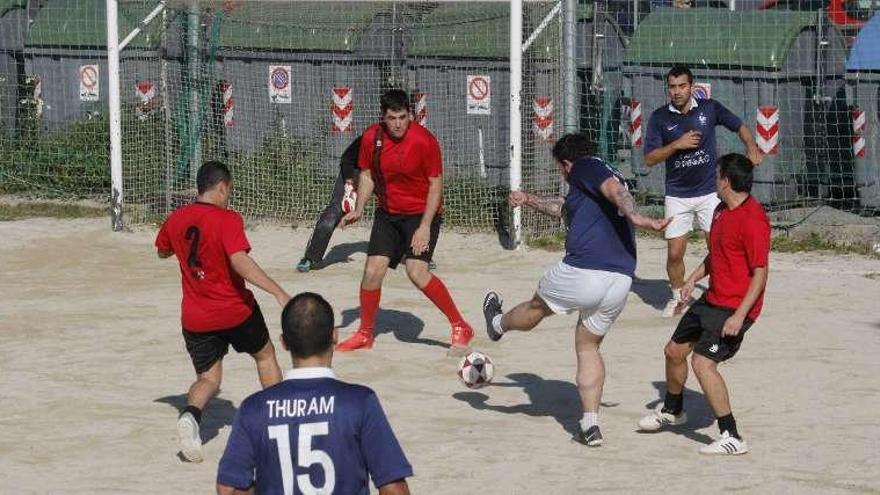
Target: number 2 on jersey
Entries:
(195, 264)
(306, 456)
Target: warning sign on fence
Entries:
(702, 90)
(279, 84)
(479, 95)
(88, 83)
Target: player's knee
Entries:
(675, 353)
(373, 274)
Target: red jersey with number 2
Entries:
(739, 242)
(203, 237)
(401, 184)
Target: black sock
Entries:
(195, 411)
(728, 424)
(673, 403)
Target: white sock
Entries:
(589, 419)
(496, 323)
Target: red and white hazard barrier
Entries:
(860, 123)
(543, 119)
(146, 92)
(635, 122)
(228, 104)
(342, 109)
(421, 108)
(768, 130)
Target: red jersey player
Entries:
(217, 310)
(401, 163)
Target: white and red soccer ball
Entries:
(476, 370)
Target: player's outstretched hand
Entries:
(648, 223)
(518, 198)
(350, 218)
(687, 289)
(755, 155)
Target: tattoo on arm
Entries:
(547, 206)
(625, 202)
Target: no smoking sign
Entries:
(479, 95)
(88, 83)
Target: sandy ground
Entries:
(92, 371)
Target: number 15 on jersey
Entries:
(305, 457)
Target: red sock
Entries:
(369, 306)
(439, 295)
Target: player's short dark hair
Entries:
(210, 174)
(573, 146)
(394, 100)
(307, 325)
(738, 169)
(678, 71)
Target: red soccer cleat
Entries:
(362, 339)
(462, 334)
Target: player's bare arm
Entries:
(748, 140)
(228, 490)
(547, 205)
(249, 270)
(688, 141)
(164, 254)
(396, 488)
(734, 324)
(365, 190)
(615, 192)
(422, 236)
(698, 274)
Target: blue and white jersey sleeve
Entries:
(381, 451)
(589, 176)
(725, 117)
(239, 459)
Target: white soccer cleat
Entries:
(726, 445)
(190, 440)
(657, 419)
(672, 308)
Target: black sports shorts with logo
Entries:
(392, 237)
(206, 348)
(702, 324)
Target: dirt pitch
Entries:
(93, 368)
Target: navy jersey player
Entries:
(594, 277)
(312, 433)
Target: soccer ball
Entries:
(476, 370)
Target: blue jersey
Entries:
(599, 237)
(312, 432)
(690, 173)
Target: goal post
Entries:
(263, 84)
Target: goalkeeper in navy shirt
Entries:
(312, 433)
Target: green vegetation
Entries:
(815, 242)
(40, 209)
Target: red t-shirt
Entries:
(739, 242)
(203, 237)
(401, 183)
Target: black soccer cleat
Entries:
(592, 437)
(491, 309)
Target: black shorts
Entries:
(206, 348)
(392, 237)
(702, 324)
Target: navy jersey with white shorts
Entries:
(312, 433)
(690, 173)
(600, 251)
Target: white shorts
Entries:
(684, 211)
(597, 295)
